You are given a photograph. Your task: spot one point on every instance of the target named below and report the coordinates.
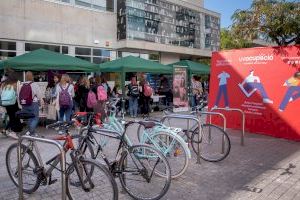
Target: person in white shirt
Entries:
(222, 89)
(65, 94)
(252, 84)
(36, 100)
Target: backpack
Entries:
(101, 93)
(64, 97)
(25, 95)
(148, 90)
(92, 99)
(134, 90)
(8, 96)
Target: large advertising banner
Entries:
(180, 92)
(264, 83)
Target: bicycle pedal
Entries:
(52, 181)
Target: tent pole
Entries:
(123, 74)
(24, 76)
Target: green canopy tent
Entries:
(193, 68)
(44, 60)
(134, 64)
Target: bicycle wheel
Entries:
(97, 183)
(214, 143)
(29, 165)
(138, 165)
(175, 150)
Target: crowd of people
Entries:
(86, 95)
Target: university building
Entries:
(103, 30)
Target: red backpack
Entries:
(25, 95)
(148, 90)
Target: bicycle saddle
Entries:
(147, 124)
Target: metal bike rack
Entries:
(62, 163)
(218, 114)
(187, 117)
(243, 120)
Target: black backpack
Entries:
(134, 90)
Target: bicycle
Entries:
(215, 143)
(136, 166)
(82, 175)
(163, 138)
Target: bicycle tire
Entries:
(172, 153)
(211, 143)
(8, 159)
(142, 153)
(93, 192)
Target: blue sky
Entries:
(226, 8)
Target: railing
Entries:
(62, 163)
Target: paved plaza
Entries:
(265, 168)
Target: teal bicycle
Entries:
(163, 138)
(144, 172)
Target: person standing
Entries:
(196, 90)
(9, 101)
(65, 94)
(100, 90)
(83, 90)
(145, 94)
(165, 89)
(133, 93)
(30, 97)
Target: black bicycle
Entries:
(143, 171)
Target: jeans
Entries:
(133, 106)
(259, 87)
(222, 91)
(65, 111)
(146, 105)
(32, 122)
(14, 123)
(290, 94)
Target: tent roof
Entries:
(44, 60)
(134, 64)
(194, 67)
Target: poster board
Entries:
(180, 91)
(261, 82)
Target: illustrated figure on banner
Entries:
(222, 89)
(293, 91)
(251, 84)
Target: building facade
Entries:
(102, 30)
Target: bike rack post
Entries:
(243, 120)
(218, 114)
(187, 117)
(62, 163)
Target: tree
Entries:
(231, 41)
(275, 20)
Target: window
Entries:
(32, 47)
(101, 56)
(64, 49)
(7, 49)
(84, 58)
(106, 5)
(99, 60)
(82, 51)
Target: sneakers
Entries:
(12, 135)
(267, 101)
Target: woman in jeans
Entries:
(65, 111)
(36, 100)
(133, 93)
(14, 124)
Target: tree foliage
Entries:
(229, 40)
(275, 20)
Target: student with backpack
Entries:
(9, 101)
(133, 93)
(65, 94)
(30, 97)
(100, 89)
(145, 93)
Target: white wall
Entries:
(36, 20)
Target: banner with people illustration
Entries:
(264, 83)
